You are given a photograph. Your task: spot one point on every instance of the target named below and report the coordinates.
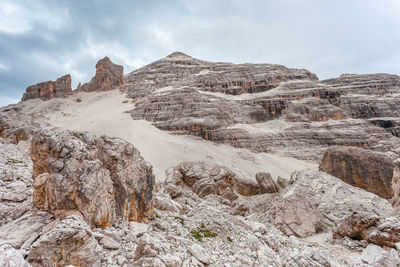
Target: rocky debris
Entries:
(206, 178)
(15, 183)
(50, 89)
(371, 228)
(312, 203)
(10, 257)
(376, 256)
(108, 76)
(101, 178)
(369, 170)
(66, 242)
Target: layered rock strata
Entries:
(50, 89)
(236, 104)
(108, 76)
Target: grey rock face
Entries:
(66, 242)
(108, 76)
(101, 178)
(15, 183)
(10, 257)
(313, 202)
(50, 89)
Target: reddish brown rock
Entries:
(366, 169)
(50, 89)
(108, 76)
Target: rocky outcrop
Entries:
(206, 178)
(66, 242)
(100, 178)
(50, 89)
(313, 202)
(369, 170)
(108, 76)
(384, 232)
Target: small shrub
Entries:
(180, 220)
(202, 232)
(229, 239)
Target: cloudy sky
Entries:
(42, 40)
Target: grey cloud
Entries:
(326, 37)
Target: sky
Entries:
(42, 40)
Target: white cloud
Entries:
(3, 67)
(18, 17)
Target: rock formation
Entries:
(101, 178)
(50, 89)
(228, 103)
(366, 226)
(108, 76)
(369, 170)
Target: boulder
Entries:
(206, 178)
(366, 169)
(108, 76)
(371, 228)
(66, 242)
(100, 178)
(50, 89)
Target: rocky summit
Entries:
(186, 162)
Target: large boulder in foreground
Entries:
(366, 169)
(50, 89)
(98, 178)
(108, 76)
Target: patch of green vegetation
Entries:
(229, 239)
(202, 232)
(13, 161)
(158, 216)
(180, 220)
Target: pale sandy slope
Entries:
(104, 114)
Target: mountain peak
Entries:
(179, 55)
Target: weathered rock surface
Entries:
(371, 228)
(366, 169)
(206, 178)
(10, 257)
(376, 256)
(101, 178)
(66, 242)
(312, 203)
(50, 89)
(15, 183)
(108, 76)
